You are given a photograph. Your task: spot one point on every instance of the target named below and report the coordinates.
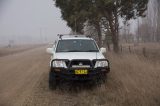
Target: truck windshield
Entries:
(77, 45)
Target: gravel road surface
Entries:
(24, 82)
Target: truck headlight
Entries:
(59, 64)
(102, 63)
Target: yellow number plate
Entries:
(79, 72)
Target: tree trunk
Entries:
(115, 43)
(98, 27)
(114, 28)
(115, 32)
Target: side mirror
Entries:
(49, 50)
(103, 50)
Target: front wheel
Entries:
(53, 81)
(102, 78)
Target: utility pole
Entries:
(75, 26)
(41, 36)
(138, 32)
(75, 20)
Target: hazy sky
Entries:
(30, 20)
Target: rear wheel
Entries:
(53, 81)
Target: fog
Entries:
(30, 21)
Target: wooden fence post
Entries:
(144, 52)
(108, 46)
(121, 48)
(129, 49)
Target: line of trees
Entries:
(101, 15)
(149, 29)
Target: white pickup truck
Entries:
(76, 58)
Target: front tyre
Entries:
(102, 78)
(53, 82)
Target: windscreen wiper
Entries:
(74, 51)
(91, 51)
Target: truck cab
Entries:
(76, 58)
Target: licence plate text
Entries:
(79, 72)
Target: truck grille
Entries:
(80, 64)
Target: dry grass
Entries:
(138, 79)
(133, 81)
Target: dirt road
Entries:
(24, 82)
(19, 73)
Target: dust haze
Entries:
(26, 28)
(30, 21)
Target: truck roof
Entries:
(85, 38)
(74, 37)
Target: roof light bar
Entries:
(61, 35)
